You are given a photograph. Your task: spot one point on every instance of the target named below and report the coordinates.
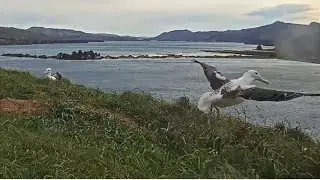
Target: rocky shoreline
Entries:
(90, 55)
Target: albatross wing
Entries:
(215, 78)
(261, 94)
(58, 76)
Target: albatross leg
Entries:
(217, 111)
(209, 119)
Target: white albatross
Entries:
(48, 74)
(229, 93)
(232, 92)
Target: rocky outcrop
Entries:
(259, 48)
(79, 55)
(73, 56)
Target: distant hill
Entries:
(41, 35)
(265, 35)
(68, 34)
(303, 45)
(19, 36)
(292, 41)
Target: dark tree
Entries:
(91, 54)
(80, 52)
(65, 56)
(85, 55)
(80, 55)
(59, 56)
(259, 47)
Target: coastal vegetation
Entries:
(56, 129)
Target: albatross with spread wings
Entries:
(228, 92)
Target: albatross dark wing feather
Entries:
(261, 94)
(215, 78)
(58, 76)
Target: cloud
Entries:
(141, 23)
(148, 17)
(282, 10)
(26, 18)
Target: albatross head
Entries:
(252, 75)
(48, 71)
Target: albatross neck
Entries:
(245, 80)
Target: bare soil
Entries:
(22, 107)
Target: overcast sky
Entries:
(151, 17)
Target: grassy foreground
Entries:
(86, 133)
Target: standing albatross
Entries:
(231, 92)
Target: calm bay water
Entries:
(172, 78)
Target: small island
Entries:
(257, 53)
(91, 55)
(86, 55)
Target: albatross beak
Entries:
(261, 79)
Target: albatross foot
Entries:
(217, 111)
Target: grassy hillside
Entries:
(40, 35)
(10, 36)
(85, 133)
(265, 35)
(69, 34)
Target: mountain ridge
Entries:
(265, 35)
(292, 41)
(70, 34)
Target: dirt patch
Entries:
(123, 119)
(22, 107)
(120, 117)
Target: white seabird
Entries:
(229, 93)
(48, 74)
(232, 92)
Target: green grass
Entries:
(82, 136)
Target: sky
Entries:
(152, 17)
